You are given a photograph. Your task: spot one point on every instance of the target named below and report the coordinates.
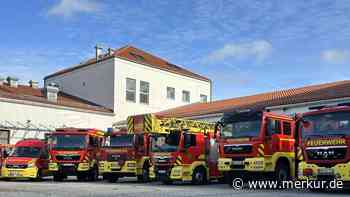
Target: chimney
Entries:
(12, 81)
(33, 84)
(51, 92)
(98, 51)
(110, 51)
(2, 81)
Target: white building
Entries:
(97, 93)
(130, 81)
(27, 111)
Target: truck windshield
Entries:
(165, 143)
(25, 151)
(68, 142)
(120, 141)
(334, 123)
(241, 129)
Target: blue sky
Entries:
(245, 47)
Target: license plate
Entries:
(326, 171)
(14, 173)
(68, 164)
(115, 165)
(237, 162)
(161, 171)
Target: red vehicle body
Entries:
(324, 144)
(183, 150)
(29, 159)
(2, 156)
(75, 152)
(256, 143)
(126, 155)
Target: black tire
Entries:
(112, 178)
(145, 175)
(39, 176)
(81, 176)
(57, 177)
(228, 178)
(167, 181)
(199, 176)
(93, 174)
(282, 172)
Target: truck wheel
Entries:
(93, 174)
(39, 176)
(81, 176)
(228, 178)
(199, 176)
(282, 172)
(145, 175)
(167, 181)
(112, 178)
(57, 177)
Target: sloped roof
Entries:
(134, 54)
(27, 93)
(339, 89)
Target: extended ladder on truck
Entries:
(180, 149)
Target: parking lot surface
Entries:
(130, 188)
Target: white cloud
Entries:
(336, 55)
(258, 50)
(68, 8)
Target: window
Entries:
(130, 89)
(273, 127)
(189, 140)
(204, 98)
(144, 92)
(287, 129)
(170, 93)
(186, 96)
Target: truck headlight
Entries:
(31, 165)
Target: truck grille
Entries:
(68, 157)
(238, 149)
(329, 153)
(16, 166)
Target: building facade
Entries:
(130, 81)
(27, 111)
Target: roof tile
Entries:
(339, 89)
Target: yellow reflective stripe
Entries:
(300, 154)
(148, 122)
(130, 124)
(261, 150)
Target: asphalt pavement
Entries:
(130, 188)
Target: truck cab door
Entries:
(273, 134)
(191, 150)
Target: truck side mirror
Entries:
(6, 154)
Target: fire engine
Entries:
(256, 143)
(2, 155)
(182, 150)
(75, 152)
(127, 152)
(28, 159)
(324, 141)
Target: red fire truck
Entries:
(3, 155)
(126, 152)
(324, 141)
(75, 152)
(28, 159)
(256, 143)
(183, 150)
